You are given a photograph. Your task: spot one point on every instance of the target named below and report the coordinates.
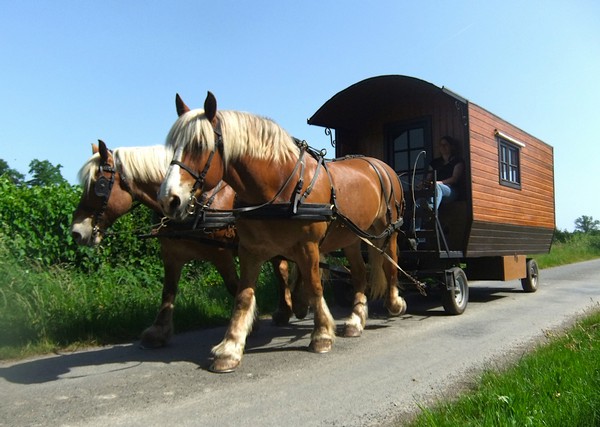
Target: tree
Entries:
(586, 224)
(561, 235)
(44, 173)
(13, 175)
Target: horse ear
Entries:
(103, 150)
(180, 105)
(210, 106)
(94, 148)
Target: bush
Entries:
(55, 293)
(37, 221)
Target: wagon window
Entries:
(407, 140)
(510, 165)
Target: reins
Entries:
(293, 208)
(300, 164)
(103, 189)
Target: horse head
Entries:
(106, 196)
(197, 165)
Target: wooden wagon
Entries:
(508, 211)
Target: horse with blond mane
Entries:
(291, 203)
(113, 181)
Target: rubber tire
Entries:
(456, 302)
(531, 281)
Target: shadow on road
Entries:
(195, 347)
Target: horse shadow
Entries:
(193, 347)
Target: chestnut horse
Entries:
(113, 181)
(290, 203)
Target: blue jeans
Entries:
(443, 191)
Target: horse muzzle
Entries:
(84, 234)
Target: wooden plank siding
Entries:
(530, 206)
(492, 239)
(508, 220)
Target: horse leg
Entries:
(355, 324)
(282, 315)
(395, 304)
(161, 330)
(225, 265)
(300, 302)
(323, 333)
(228, 353)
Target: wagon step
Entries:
(426, 239)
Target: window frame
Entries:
(396, 128)
(509, 161)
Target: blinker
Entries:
(102, 187)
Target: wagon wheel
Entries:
(530, 282)
(456, 298)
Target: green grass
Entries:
(556, 385)
(42, 310)
(57, 308)
(576, 247)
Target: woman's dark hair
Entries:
(454, 144)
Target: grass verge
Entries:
(61, 308)
(576, 247)
(558, 384)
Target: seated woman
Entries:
(450, 172)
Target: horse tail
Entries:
(377, 280)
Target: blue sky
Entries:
(72, 72)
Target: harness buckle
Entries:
(192, 204)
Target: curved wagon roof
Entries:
(351, 107)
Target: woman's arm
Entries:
(457, 172)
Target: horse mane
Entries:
(244, 134)
(143, 164)
(139, 164)
(88, 171)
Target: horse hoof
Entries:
(301, 312)
(352, 331)
(224, 366)
(320, 345)
(150, 340)
(151, 345)
(397, 308)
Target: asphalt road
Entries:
(377, 379)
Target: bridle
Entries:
(103, 188)
(200, 179)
